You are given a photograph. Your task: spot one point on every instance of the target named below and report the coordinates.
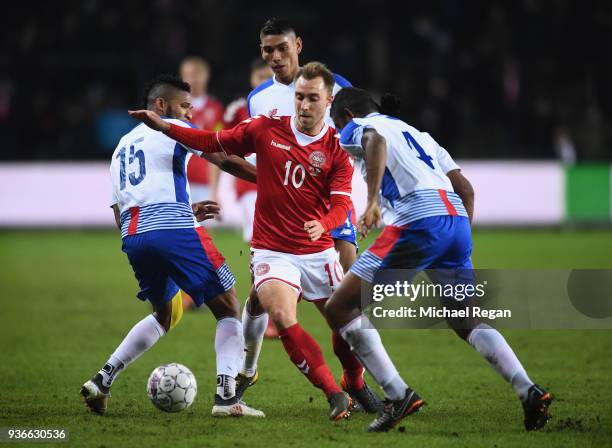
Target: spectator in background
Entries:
(207, 114)
(236, 112)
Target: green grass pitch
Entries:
(68, 298)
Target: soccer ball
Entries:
(172, 387)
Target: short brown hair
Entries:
(313, 70)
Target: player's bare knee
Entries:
(255, 309)
(279, 301)
(463, 334)
(332, 310)
(225, 305)
(461, 327)
(165, 324)
(163, 315)
(233, 306)
(347, 253)
(345, 300)
(254, 306)
(276, 314)
(282, 319)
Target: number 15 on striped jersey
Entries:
(134, 176)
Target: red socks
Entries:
(306, 354)
(353, 370)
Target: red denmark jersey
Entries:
(207, 114)
(296, 175)
(235, 113)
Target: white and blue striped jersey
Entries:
(149, 182)
(415, 183)
(275, 98)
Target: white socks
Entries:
(141, 337)
(226, 387)
(229, 346)
(254, 330)
(493, 347)
(368, 347)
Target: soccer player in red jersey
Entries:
(301, 170)
(207, 113)
(280, 47)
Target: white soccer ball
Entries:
(172, 387)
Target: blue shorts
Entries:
(437, 242)
(347, 230)
(166, 260)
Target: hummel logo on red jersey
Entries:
(278, 145)
(304, 367)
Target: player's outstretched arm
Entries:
(375, 147)
(205, 141)
(151, 119)
(464, 189)
(234, 165)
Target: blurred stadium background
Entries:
(518, 92)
